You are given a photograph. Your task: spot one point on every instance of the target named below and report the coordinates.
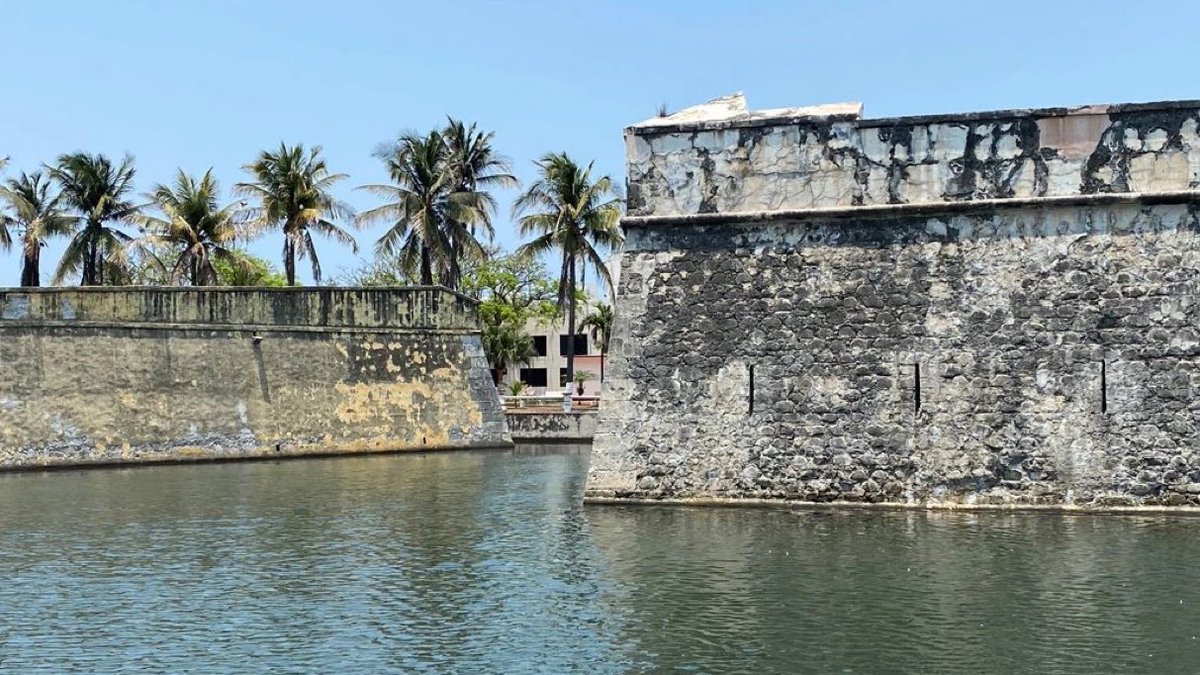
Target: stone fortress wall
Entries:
(102, 376)
(990, 308)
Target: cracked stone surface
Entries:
(749, 162)
(1045, 354)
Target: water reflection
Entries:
(488, 562)
(754, 591)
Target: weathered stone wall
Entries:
(552, 426)
(282, 308)
(748, 162)
(1029, 351)
(140, 375)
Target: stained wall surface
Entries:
(1041, 350)
(137, 375)
(746, 163)
(552, 426)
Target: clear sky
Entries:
(209, 83)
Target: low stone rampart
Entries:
(98, 376)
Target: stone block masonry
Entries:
(100, 376)
(552, 426)
(901, 339)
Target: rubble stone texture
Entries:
(991, 308)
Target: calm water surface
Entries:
(487, 562)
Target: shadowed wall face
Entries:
(92, 376)
(1039, 353)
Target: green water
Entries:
(487, 562)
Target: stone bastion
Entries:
(134, 375)
(996, 308)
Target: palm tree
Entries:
(294, 192)
(194, 226)
(438, 200)
(476, 168)
(97, 191)
(600, 323)
(36, 213)
(419, 197)
(567, 211)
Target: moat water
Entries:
(488, 562)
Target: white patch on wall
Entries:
(15, 309)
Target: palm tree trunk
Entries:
(289, 261)
(452, 280)
(87, 278)
(97, 269)
(426, 267)
(30, 272)
(571, 323)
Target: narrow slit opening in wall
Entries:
(750, 401)
(1103, 386)
(916, 387)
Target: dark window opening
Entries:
(533, 377)
(916, 387)
(539, 345)
(562, 377)
(581, 344)
(1103, 386)
(750, 410)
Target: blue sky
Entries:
(209, 83)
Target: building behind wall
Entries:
(998, 307)
(547, 371)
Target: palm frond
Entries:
(72, 259)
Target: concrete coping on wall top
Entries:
(241, 289)
(298, 308)
(730, 112)
(883, 211)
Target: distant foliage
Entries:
(248, 270)
(190, 231)
(513, 290)
(600, 324)
(438, 206)
(378, 271)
